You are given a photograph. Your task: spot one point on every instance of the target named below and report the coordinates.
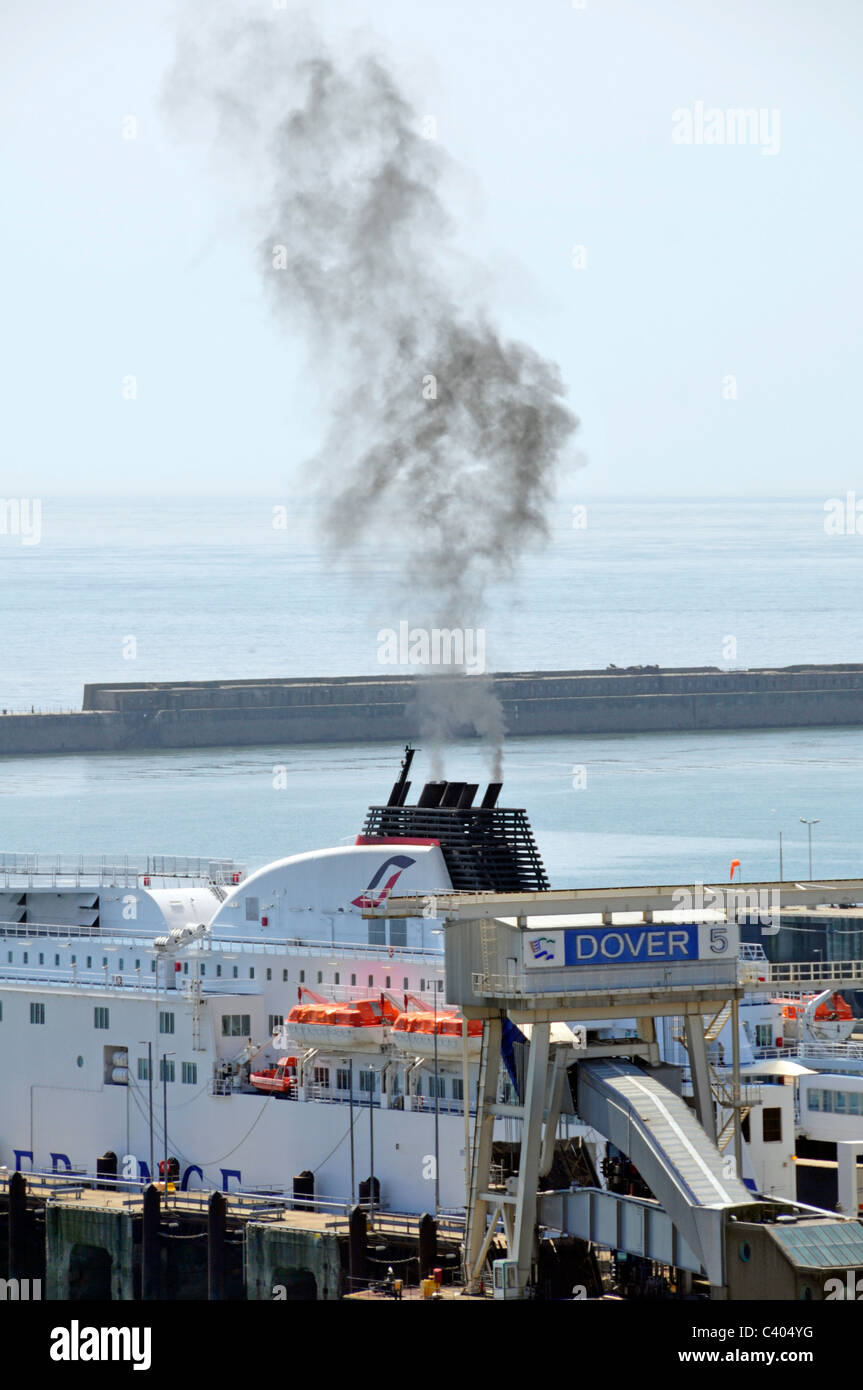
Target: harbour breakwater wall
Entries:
(349, 709)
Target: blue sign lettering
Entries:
(639, 945)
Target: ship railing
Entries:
(358, 950)
(812, 972)
(83, 871)
(132, 937)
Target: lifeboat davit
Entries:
(361, 1023)
(415, 1034)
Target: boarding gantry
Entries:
(523, 960)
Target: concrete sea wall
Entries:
(199, 714)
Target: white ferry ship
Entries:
(144, 1006)
(252, 1028)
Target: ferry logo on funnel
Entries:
(370, 898)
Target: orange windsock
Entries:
(735, 864)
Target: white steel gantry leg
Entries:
(531, 1144)
(477, 1237)
(696, 1046)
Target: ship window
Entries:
(185, 967)
(853, 1102)
(9, 957)
(269, 973)
(236, 1025)
(368, 1082)
(41, 957)
(120, 963)
(422, 986)
(377, 932)
(302, 977)
(827, 1102)
(137, 965)
(104, 960)
(457, 1088)
(840, 1103)
(253, 909)
(90, 963)
(343, 1079)
(190, 1073)
(236, 971)
(100, 1017)
(405, 982)
(218, 970)
(284, 976)
(320, 977)
(419, 1085)
(1, 1010)
(371, 980)
(437, 1083)
(744, 1127)
(813, 1098)
(275, 1022)
(439, 986)
(772, 1125)
(763, 1034)
(143, 1069)
(388, 982)
(166, 1069)
(56, 960)
(74, 960)
(203, 968)
(337, 978)
(322, 1077)
(166, 1021)
(399, 932)
(152, 965)
(26, 957)
(353, 979)
(251, 972)
(37, 1013)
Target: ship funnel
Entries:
(491, 795)
(452, 794)
(431, 794)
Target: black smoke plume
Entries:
(437, 424)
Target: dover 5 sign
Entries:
(645, 944)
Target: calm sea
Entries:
(140, 590)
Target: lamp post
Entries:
(150, 1087)
(372, 1148)
(351, 1102)
(809, 824)
(165, 1056)
(436, 931)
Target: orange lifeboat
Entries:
(277, 1081)
(359, 1023)
(833, 1010)
(421, 1033)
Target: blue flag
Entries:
(510, 1035)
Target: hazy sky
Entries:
(701, 261)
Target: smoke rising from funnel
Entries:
(441, 434)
